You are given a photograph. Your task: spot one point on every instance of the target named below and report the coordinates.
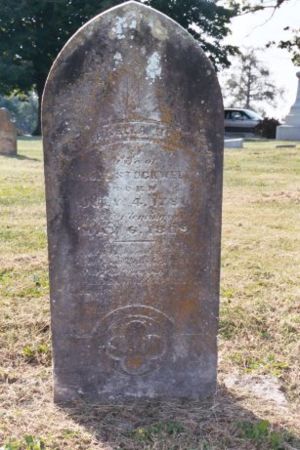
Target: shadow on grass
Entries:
(29, 138)
(21, 157)
(182, 425)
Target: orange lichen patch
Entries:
(134, 362)
(166, 114)
(174, 139)
(188, 308)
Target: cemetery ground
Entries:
(257, 404)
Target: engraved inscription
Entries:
(144, 201)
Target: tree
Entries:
(32, 36)
(249, 83)
(246, 6)
(292, 44)
(23, 109)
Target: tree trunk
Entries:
(248, 92)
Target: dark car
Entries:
(241, 120)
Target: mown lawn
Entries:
(259, 326)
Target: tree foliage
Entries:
(249, 83)
(208, 22)
(24, 109)
(246, 6)
(32, 32)
(292, 43)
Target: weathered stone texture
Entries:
(290, 130)
(133, 139)
(8, 134)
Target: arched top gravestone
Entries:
(133, 141)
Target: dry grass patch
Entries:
(260, 283)
(259, 327)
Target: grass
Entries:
(260, 281)
(259, 324)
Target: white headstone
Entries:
(290, 130)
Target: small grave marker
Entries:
(8, 134)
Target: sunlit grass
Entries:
(259, 324)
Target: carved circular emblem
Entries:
(137, 337)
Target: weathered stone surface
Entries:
(290, 130)
(133, 139)
(8, 134)
(234, 143)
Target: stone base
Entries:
(234, 143)
(8, 152)
(288, 133)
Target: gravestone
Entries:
(290, 130)
(8, 134)
(133, 138)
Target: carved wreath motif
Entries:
(137, 338)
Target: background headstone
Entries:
(234, 143)
(290, 130)
(133, 138)
(8, 134)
